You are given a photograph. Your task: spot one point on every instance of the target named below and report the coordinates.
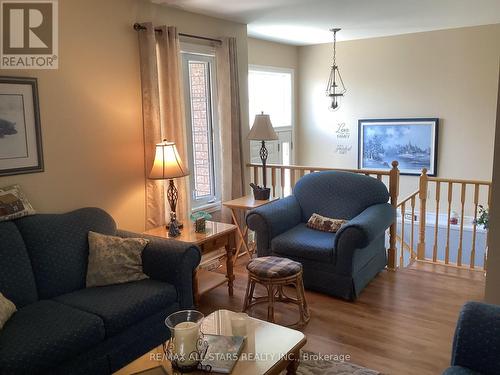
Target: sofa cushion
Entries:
(7, 309)
(14, 204)
(122, 305)
(114, 260)
(58, 247)
(459, 370)
(342, 195)
(304, 242)
(44, 334)
(17, 281)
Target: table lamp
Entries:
(262, 130)
(167, 166)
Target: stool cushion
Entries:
(273, 267)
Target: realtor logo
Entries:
(29, 34)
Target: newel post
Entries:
(393, 192)
(423, 188)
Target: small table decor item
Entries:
(187, 346)
(20, 133)
(262, 130)
(200, 221)
(167, 166)
(260, 193)
(412, 142)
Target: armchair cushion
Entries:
(43, 334)
(304, 242)
(477, 338)
(459, 370)
(273, 219)
(121, 306)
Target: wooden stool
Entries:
(274, 273)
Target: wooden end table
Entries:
(216, 236)
(244, 204)
(269, 348)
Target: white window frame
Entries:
(207, 55)
(291, 71)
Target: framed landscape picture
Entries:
(20, 133)
(412, 142)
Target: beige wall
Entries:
(91, 107)
(448, 74)
(263, 52)
(493, 275)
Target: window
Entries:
(201, 121)
(270, 91)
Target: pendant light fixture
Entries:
(335, 89)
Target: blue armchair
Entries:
(476, 347)
(340, 264)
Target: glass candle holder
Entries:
(186, 347)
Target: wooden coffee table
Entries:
(217, 235)
(269, 348)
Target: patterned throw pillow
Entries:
(7, 309)
(114, 260)
(13, 203)
(324, 224)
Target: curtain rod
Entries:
(138, 26)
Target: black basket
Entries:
(261, 194)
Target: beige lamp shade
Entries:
(262, 129)
(167, 163)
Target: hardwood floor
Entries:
(403, 322)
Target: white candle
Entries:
(239, 324)
(185, 339)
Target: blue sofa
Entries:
(476, 346)
(61, 327)
(340, 264)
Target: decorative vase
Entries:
(186, 347)
(200, 219)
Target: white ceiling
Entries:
(302, 22)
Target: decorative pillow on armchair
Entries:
(114, 260)
(13, 203)
(325, 224)
(7, 309)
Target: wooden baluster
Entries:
(302, 172)
(273, 180)
(474, 227)
(436, 225)
(292, 178)
(401, 254)
(450, 198)
(394, 192)
(256, 175)
(485, 258)
(412, 250)
(282, 181)
(462, 214)
(423, 185)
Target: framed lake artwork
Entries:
(412, 142)
(20, 133)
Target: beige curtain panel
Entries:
(163, 115)
(228, 95)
